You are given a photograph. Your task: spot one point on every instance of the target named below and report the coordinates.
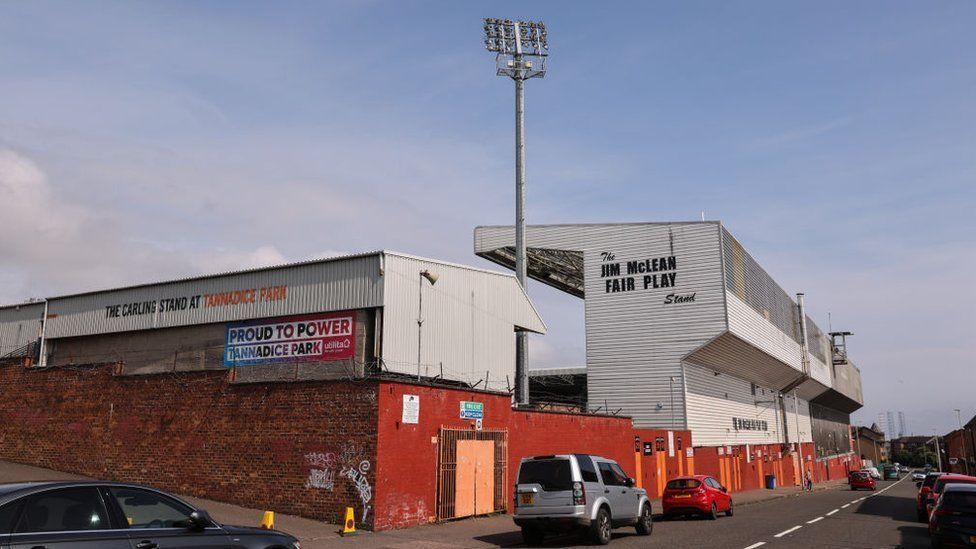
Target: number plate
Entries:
(526, 499)
(682, 496)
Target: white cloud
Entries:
(51, 246)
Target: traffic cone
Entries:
(267, 522)
(349, 525)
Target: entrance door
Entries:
(474, 492)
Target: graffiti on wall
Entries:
(350, 464)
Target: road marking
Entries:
(832, 512)
(814, 520)
(784, 532)
(845, 506)
(754, 545)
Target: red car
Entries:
(924, 487)
(861, 479)
(696, 495)
(932, 496)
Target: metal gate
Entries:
(447, 473)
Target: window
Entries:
(551, 474)
(612, 475)
(147, 509)
(65, 510)
(682, 484)
(713, 483)
(8, 514)
(587, 470)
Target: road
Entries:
(829, 518)
(834, 518)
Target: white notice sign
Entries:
(670, 443)
(411, 409)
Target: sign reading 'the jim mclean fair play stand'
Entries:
(642, 274)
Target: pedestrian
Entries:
(808, 481)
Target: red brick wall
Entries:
(197, 434)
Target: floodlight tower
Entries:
(521, 48)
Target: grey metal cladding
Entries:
(469, 316)
(329, 285)
(19, 326)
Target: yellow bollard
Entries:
(349, 525)
(267, 522)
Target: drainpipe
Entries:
(42, 359)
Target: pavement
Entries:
(830, 516)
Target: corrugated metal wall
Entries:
(334, 285)
(634, 341)
(468, 314)
(19, 325)
(713, 400)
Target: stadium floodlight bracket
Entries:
(521, 47)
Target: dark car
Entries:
(109, 515)
(933, 496)
(953, 522)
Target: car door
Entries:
(67, 518)
(721, 496)
(157, 521)
(621, 497)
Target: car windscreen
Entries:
(683, 484)
(930, 480)
(551, 474)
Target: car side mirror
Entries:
(631, 482)
(724, 489)
(199, 520)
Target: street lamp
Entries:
(521, 49)
(432, 278)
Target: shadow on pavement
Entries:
(914, 536)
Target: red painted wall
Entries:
(407, 454)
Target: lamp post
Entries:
(520, 53)
(432, 278)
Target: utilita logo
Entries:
(678, 298)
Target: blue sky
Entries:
(837, 140)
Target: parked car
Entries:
(953, 519)
(940, 483)
(873, 471)
(698, 495)
(861, 480)
(110, 515)
(556, 493)
(918, 475)
(924, 487)
(891, 473)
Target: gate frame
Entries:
(447, 438)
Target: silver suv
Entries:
(577, 491)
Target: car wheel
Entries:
(936, 542)
(728, 513)
(600, 527)
(713, 514)
(645, 523)
(920, 516)
(533, 535)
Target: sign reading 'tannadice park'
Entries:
(317, 337)
(647, 273)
